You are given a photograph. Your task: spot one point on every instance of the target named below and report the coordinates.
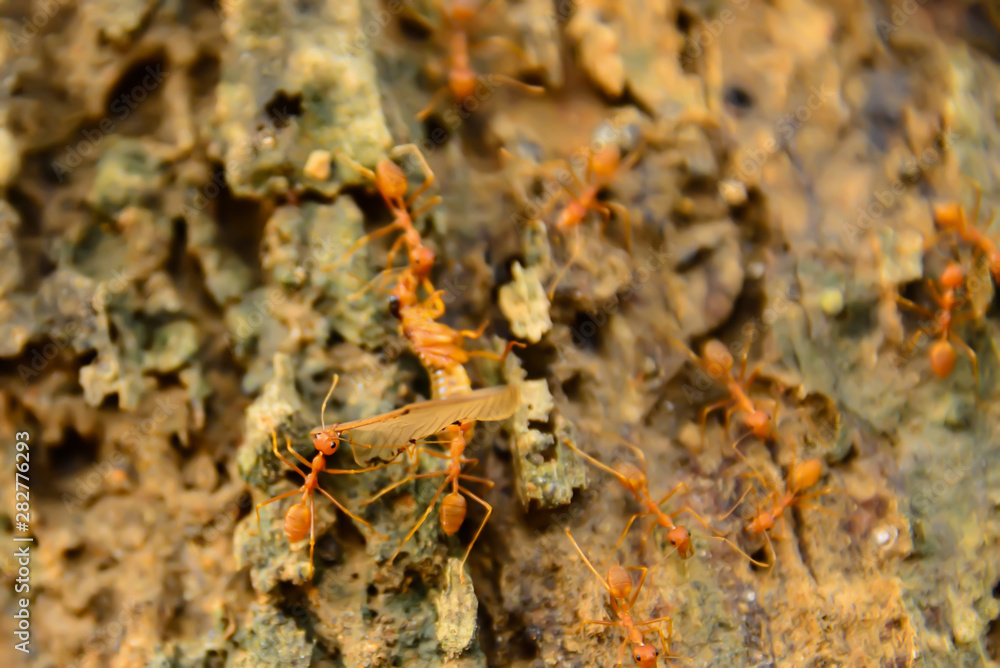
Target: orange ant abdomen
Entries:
(805, 475)
(297, 522)
(619, 581)
(453, 507)
(717, 355)
(942, 358)
(634, 479)
(390, 179)
(605, 162)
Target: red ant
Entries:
(951, 218)
(300, 519)
(462, 78)
(635, 480)
(392, 184)
(623, 598)
(717, 362)
(942, 353)
(800, 478)
(602, 168)
(453, 505)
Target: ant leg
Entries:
(548, 166)
(678, 487)
(972, 356)
(381, 232)
(422, 519)
(604, 467)
(355, 164)
(906, 303)
(638, 587)
(349, 513)
(272, 500)
(493, 356)
(489, 511)
(481, 481)
(572, 258)
(692, 513)
(737, 549)
(429, 204)
(622, 213)
(497, 40)
(312, 532)
(390, 257)
(628, 526)
(288, 444)
(435, 100)
(590, 566)
(703, 418)
(528, 88)
(474, 333)
(364, 470)
(400, 483)
(414, 150)
(738, 503)
(274, 443)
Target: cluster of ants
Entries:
(441, 427)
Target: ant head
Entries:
(760, 424)
(605, 161)
(680, 538)
(619, 581)
(571, 215)
(716, 354)
(948, 215)
(422, 260)
(634, 477)
(645, 655)
(390, 179)
(462, 82)
(952, 276)
(325, 442)
(763, 522)
(942, 358)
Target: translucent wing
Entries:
(423, 419)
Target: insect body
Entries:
(453, 505)
(623, 597)
(951, 218)
(717, 362)
(635, 480)
(942, 352)
(300, 519)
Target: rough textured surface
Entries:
(174, 211)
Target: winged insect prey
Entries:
(420, 420)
